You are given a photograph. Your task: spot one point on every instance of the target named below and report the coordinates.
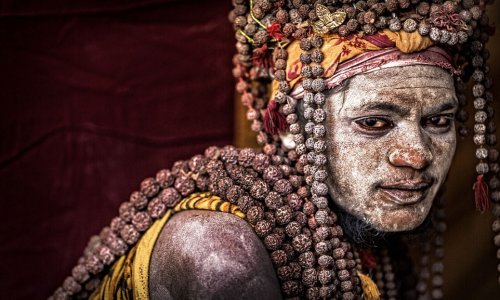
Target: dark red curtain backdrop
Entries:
(97, 95)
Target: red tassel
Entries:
(274, 121)
(367, 258)
(262, 57)
(481, 194)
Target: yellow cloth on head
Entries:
(409, 42)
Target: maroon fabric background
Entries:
(96, 97)
(66, 7)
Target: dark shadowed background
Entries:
(98, 95)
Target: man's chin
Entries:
(400, 220)
(375, 233)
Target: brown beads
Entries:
(263, 228)
(301, 243)
(255, 214)
(170, 197)
(138, 199)
(149, 187)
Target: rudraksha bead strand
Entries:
(437, 267)
(423, 269)
(481, 117)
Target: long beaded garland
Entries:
(270, 192)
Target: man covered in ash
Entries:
(357, 139)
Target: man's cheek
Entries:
(443, 150)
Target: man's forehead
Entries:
(403, 77)
(410, 95)
(400, 100)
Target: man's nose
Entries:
(417, 156)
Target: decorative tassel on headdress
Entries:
(367, 258)
(481, 194)
(370, 289)
(262, 57)
(274, 120)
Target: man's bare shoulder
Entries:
(210, 255)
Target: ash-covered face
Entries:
(391, 138)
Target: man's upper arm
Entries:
(210, 255)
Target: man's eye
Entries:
(374, 123)
(438, 122)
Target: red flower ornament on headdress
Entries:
(274, 30)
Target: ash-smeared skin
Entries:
(360, 162)
(210, 255)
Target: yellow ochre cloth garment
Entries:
(128, 277)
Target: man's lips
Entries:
(406, 192)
